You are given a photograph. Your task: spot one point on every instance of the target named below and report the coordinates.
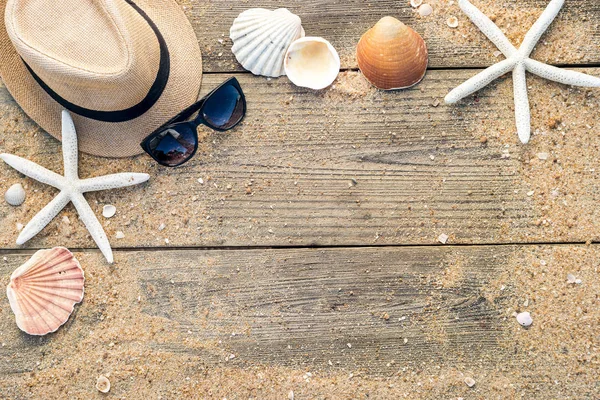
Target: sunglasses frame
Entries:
(184, 116)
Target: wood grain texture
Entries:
(572, 39)
(338, 170)
(379, 322)
(350, 309)
(346, 166)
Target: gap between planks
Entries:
(15, 251)
(430, 68)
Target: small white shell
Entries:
(425, 10)
(109, 211)
(15, 195)
(103, 384)
(416, 3)
(261, 37)
(443, 238)
(452, 21)
(524, 319)
(312, 62)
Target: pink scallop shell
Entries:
(43, 291)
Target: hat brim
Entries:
(110, 139)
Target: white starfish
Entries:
(71, 188)
(518, 61)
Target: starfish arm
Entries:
(43, 217)
(488, 28)
(565, 76)
(479, 81)
(69, 146)
(540, 26)
(33, 170)
(86, 214)
(112, 181)
(522, 111)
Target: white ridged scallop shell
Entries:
(15, 195)
(261, 38)
(43, 291)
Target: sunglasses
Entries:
(176, 141)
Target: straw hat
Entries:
(122, 67)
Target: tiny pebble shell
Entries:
(571, 278)
(443, 238)
(452, 22)
(15, 195)
(120, 235)
(470, 381)
(425, 10)
(416, 3)
(103, 384)
(524, 318)
(109, 211)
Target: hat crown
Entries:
(97, 54)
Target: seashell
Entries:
(261, 37)
(109, 211)
(391, 55)
(416, 3)
(103, 384)
(524, 319)
(43, 291)
(15, 195)
(425, 10)
(312, 62)
(452, 22)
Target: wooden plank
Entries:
(572, 39)
(295, 308)
(397, 316)
(347, 166)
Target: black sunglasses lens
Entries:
(174, 145)
(224, 108)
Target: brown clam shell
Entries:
(391, 55)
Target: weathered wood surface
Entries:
(160, 316)
(291, 307)
(573, 38)
(347, 166)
